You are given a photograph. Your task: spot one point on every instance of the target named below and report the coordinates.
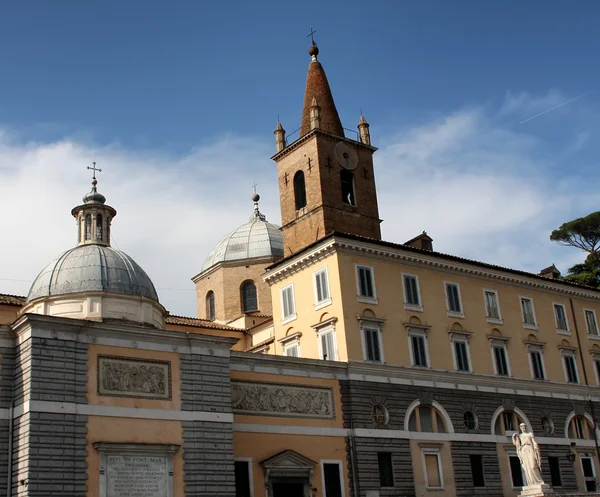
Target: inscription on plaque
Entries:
(130, 377)
(136, 476)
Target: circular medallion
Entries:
(346, 155)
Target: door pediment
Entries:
(288, 464)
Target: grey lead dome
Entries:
(92, 268)
(256, 238)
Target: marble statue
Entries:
(529, 455)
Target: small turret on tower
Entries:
(363, 131)
(279, 137)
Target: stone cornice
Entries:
(119, 334)
(316, 132)
(251, 261)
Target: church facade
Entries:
(324, 361)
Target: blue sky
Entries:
(178, 101)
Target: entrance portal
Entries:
(288, 489)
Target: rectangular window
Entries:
(386, 470)
(537, 364)
(509, 422)
(597, 364)
(288, 305)
(515, 472)
(477, 470)
(321, 286)
(242, 479)
(492, 309)
(453, 298)
(292, 350)
(411, 290)
(589, 475)
(500, 360)
(554, 466)
(419, 352)
(590, 321)
(461, 355)
(332, 478)
(366, 283)
(570, 368)
(372, 348)
(433, 469)
(528, 312)
(561, 317)
(327, 344)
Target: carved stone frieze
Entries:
(279, 399)
(132, 377)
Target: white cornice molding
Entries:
(407, 256)
(295, 265)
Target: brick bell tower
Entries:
(326, 181)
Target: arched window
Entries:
(426, 418)
(98, 226)
(210, 306)
(299, 190)
(347, 181)
(506, 422)
(88, 227)
(580, 428)
(249, 299)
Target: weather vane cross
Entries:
(311, 34)
(94, 168)
(254, 186)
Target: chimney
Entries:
(422, 241)
(550, 272)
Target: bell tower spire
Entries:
(326, 181)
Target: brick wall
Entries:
(463, 477)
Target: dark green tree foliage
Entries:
(582, 233)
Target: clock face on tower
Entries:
(346, 155)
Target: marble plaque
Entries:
(280, 399)
(136, 476)
(131, 377)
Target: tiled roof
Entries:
(408, 248)
(200, 323)
(259, 315)
(261, 344)
(12, 299)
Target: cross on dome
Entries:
(94, 168)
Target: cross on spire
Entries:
(254, 186)
(94, 168)
(311, 34)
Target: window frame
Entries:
(286, 319)
(588, 478)
(463, 339)
(340, 464)
(289, 344)
(506, 356)
(350, 175)
(371, 325)
(596, 366)
(528, 326)
(593, 336)
(319, 304)
(480, 456)
(210, 306)
(454, 314)
(363, 298)
(321, 331)
(537, 349)
(250, 475)
(570, 354)
(299, 174)
(490, 319)
(243, 296)
(436, 452)
(412, 332)
(391, 454)
(408, 306)
(510, 454)
(552, 474)
(560, 331)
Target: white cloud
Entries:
(480, 190)
(525, 103)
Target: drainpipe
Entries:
(585, 377)
(10, 441)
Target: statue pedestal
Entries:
(536, 491)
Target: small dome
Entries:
(92, 268)
(256, 238)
